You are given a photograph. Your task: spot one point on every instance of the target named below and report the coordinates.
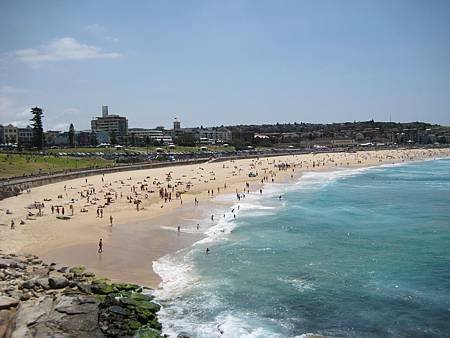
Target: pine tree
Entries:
(38, 130)
(93, 138)
(112, 136)
(71, 136)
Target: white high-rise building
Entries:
(104, 111)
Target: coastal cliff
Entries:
(42, 300)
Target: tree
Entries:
(185, 139)
(93, 138)
(71, 136)
(113, 138)
(38, 130)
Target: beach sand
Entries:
(137, 238)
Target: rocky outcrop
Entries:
(40, 300)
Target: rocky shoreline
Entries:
(44, 300)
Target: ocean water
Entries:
(347, 253)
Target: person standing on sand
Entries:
(12, 224)
(111, 220)
(100, 246)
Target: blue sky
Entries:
(225, 62)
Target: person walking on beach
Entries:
(100, 246)
(12, 224)
(111, 220)
(207, 251)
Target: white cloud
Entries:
(60, 127)
(100, 31)
(60, 50)
(18, 119)
(11, 90)
(11, 113)
(62, 119)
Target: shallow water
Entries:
(355, 253)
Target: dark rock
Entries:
(76, 305)
(43, 283)
(61, 317)
(7, 263)
(58, 282)
(25, 296)
(183, 335)
(28, 284)
(21, 266)
(85, 288)
(63, 269)
(118, 310)
(102, 288)
(68, 275)
(7, 302)
(77, 270)
(126, 287)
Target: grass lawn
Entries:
(18, 165)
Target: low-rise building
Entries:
(214, 135)
(25, 135)
(50, 136)
(140, 135)
(2, 134)
(11, 134)
(113, 124)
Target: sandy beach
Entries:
(146, 207)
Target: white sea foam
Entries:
(226, 325)
(231, 326)
(176, 276)
(319, 179)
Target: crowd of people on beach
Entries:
(109, 194)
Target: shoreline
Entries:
(137, 239)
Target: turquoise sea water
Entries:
(348, 253)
